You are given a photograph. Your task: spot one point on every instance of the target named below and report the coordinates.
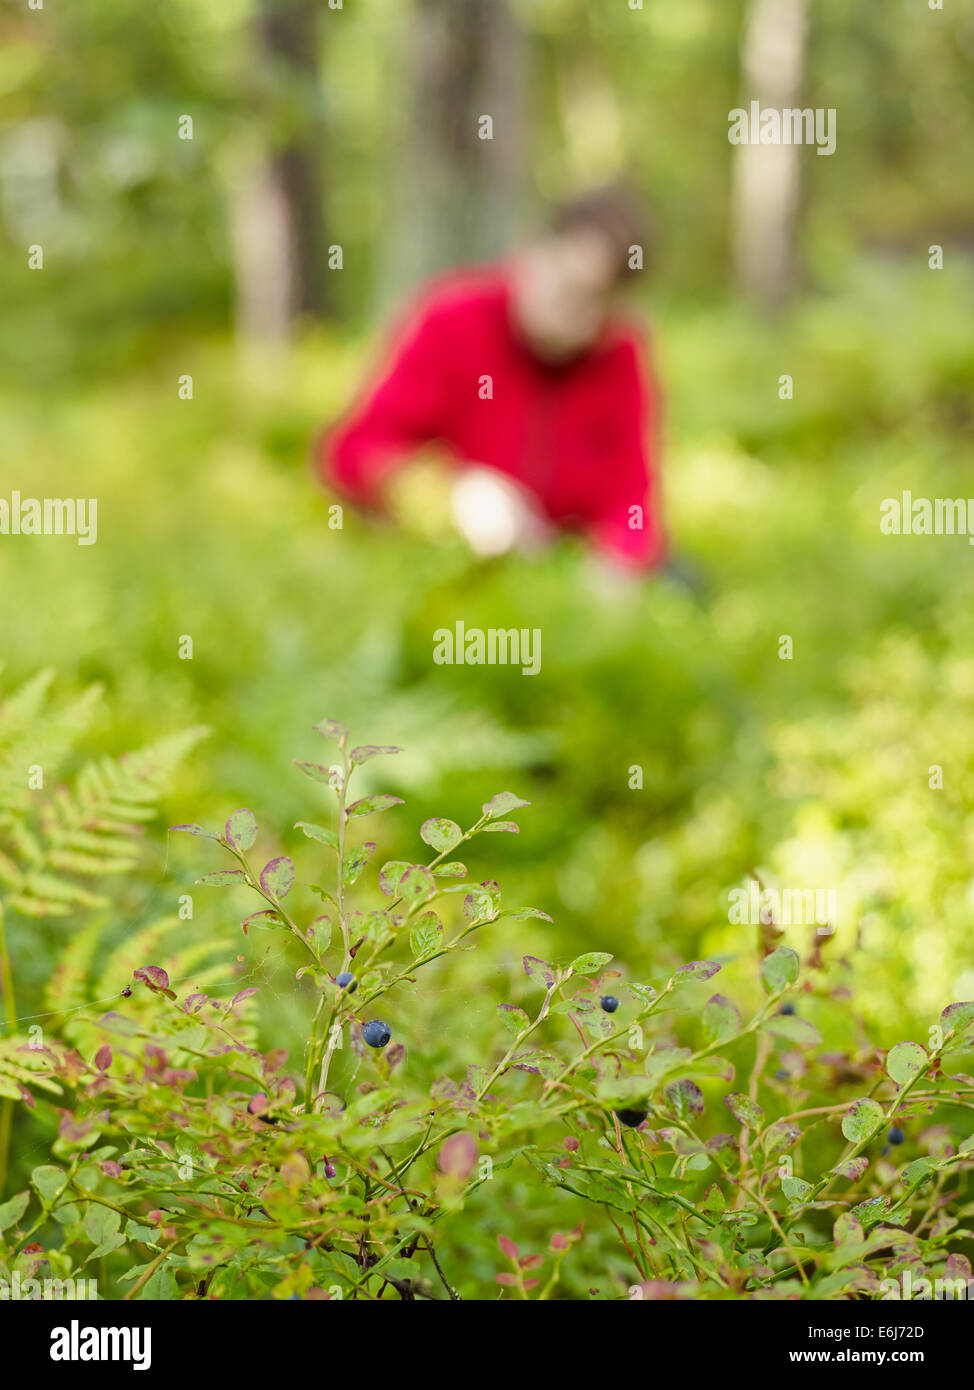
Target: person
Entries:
(538, 389)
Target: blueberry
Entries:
(376, 1033)
(896, 1135)
(632, 1118)
(787, 1009)
(609, 1003)
(885, 1150)
(781, 1074)
(346, 979)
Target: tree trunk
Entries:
(766, 178)
(458, 174)
(276, 211)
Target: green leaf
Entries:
(503, 802)
(454, 869)
(795, 1029)
(861, 1119)
(509, 827)
(521, 914)
(402, 1270)
(870, 1211)
(426, 935)
(539, 971)
(696, 970)
(713, 1201)
(480, 905)
(318, 832)
(241, 829)
(356, 862)
(100, 1223)
(795, 1189)
(721, 1018)
(905, 1061)
(916, 1172)
(160, 1287)
(365, 751)
(780, 1136)
(368, 805)
(577, 1006)
(316, 771)
(145, 1235)
(321, 930)
(779, 969)
(847, 1230)
(224, 877)
(684, 1098)
(958, 1018)
(322, 893)
(645, 993)
(591, 963)
(107, 1246)
(515, 1020)
(416, 883)
(852, 1168)
(48, 1181)
(390, 876)
(277, 876)
(440, 834)
(662, 1060)
(746, 1111)
(12, 1211)
(195, 830)
(333, 730)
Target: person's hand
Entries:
(494, 514)
(611, 581)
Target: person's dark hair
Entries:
(612, 210)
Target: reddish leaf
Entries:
(458, 1156)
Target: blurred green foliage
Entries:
(811, 771)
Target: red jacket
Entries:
(581, 437)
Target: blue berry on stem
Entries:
(787, 1009)
(609, 1003)
(896, 1135)
(631, 1118)
(376, 1033)
(346, 980)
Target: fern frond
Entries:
(89, 973)
(24, 1066)
(31, 735)
(87, 831)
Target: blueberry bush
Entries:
(696, 1146)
